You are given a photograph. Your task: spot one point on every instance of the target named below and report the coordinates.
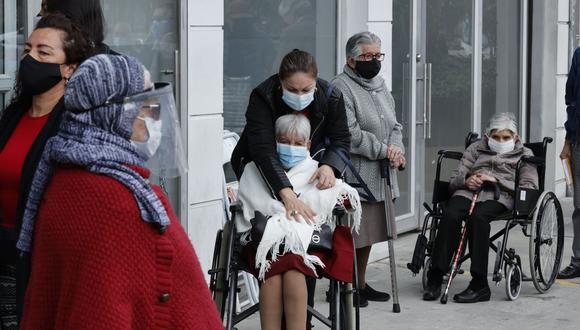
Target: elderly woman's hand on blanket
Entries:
(295, 208)
(325, 177)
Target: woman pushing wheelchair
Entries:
(493, 159)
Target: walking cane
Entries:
(459, 251)
(385, 175)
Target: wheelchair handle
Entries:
(450, 154)
(533, 160)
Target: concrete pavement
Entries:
(559, 308)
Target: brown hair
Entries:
(297, 61)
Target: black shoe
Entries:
(374, 295)
(472, 296)
(361, 300)
(569, 272)
(432, 292)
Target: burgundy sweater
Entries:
(97, 265)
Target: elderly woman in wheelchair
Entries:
(492, 159)
(280, 253)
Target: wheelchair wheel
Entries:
(220, 267)
(513, 281)
(546, 241)
(426, 269)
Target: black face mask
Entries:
(368, 69)
(37, 77)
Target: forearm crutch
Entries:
(385, 175)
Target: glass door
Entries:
(460, 87)
(149, 30)
(11, 39)
(445, 80)
(404, 92)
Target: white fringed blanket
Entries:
(295, 236)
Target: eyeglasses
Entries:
(369, 57)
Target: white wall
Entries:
(548, 79)
(204, 101)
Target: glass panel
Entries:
(400, 91)
(501, 59)
(148, 30)
(449, 49)
(258, 33)
(12, 40)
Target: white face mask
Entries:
(501, 147)
(149, 147)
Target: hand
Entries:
(474, 182)
(485, 177)
(325, 176)
(393, 152)
(399, 162)
(566, 151)
(295, 208)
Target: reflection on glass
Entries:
(400, 88)
(12, 39)
(258, 33)
(501, 59)
(449, 49)
(146, 29)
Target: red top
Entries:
(97, 265)
(11, 161)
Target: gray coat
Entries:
(373, 125)
(478, 158)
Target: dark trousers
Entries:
(449, 233)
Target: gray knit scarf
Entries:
(96, 137)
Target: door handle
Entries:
(427, 101)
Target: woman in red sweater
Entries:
(48, 61)
(107, 250)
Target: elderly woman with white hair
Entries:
(494, 158)
(281, 258)
(375, 135)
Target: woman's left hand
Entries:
(394, 152)
(325, 176)
(399, 162)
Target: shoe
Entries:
(569, 272)
(472, 296)
(373, 295)
(361, 300)
(433, 292)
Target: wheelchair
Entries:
(228, 262)
(537, 212)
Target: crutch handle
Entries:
(494, 186)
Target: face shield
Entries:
(156, 132)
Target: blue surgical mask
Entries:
(290, 156)
(297, 102)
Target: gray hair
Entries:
(362, 38)
(501, 121)
(298, 125)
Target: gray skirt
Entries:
(373, 228)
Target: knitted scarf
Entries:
(96, 139)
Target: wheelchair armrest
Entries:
(533, 160)
(236, 207)
(451, 154)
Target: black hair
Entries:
(76, 47)
(297, 61)
(86, 14)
